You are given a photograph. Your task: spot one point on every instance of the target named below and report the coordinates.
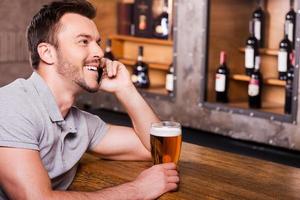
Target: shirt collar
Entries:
(46, 96)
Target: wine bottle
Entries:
(170, 80)
(108, 53)
(251, 50)
(289, 86)
(285, 49)
(161, 24)
(290, 19)
(140, 76)
(255, 86)
(258, 19)
(221, 82)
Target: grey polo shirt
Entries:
(30, 119)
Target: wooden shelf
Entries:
(159, 66)
(142, 40)
(266, 107)
(267, 81)
(155, 90)
(263, 51)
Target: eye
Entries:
(83, 42)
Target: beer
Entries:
(165, 139)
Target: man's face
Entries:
(79, 53)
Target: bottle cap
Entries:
(222, 57)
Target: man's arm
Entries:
(117, 80)
(121, 143)
(139, 111)
(22, 176)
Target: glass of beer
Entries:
(165, 138)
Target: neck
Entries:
(62, 91)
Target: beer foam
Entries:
(165, 131)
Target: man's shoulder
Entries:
(15, 88)
(16, 97)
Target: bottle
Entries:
(258, 20)
(143, 20)
(140, 76)
(221, 83)
(290, 19)
(161, 24)
(108, 53)
(285, 48)
(170, 80)
(251, 50)
(289, 86)
(255, 86)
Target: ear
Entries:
(47, 53)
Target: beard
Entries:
(72, 72)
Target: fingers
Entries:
(172, 172)
(110, 67)
(173, 179)
(169, 166)
(172, 187)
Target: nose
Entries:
(97, 51)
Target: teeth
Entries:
(92, 68)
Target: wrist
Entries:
(135, 188)
(125, 90)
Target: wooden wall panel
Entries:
(106, 19)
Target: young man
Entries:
(42, 136)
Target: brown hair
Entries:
(45, 24)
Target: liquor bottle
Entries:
(255, 86)
(289, 86)
(108, 53)
(221, 83)
(140, 76)
(285, 48)
(251, 50)
(143, 18)
(170, 80)
(290, 19)
(161, 24)
(258, 19)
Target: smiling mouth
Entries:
(92, 68)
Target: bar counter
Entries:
(205, 173)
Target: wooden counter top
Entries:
(205, 174)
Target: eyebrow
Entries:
(88, 36)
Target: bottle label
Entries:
(282, 60)
(170, 82)
(290, 31)
(142, 22)
(253, 88)
(134, 78)
(257, 29)
(249, 57)
(220, 82)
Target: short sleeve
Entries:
(18, 130)
(99, 132)
(97, 129)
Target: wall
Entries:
(13, 50)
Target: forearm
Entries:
(140, 113)
(125, 191)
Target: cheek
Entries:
(76, 56)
